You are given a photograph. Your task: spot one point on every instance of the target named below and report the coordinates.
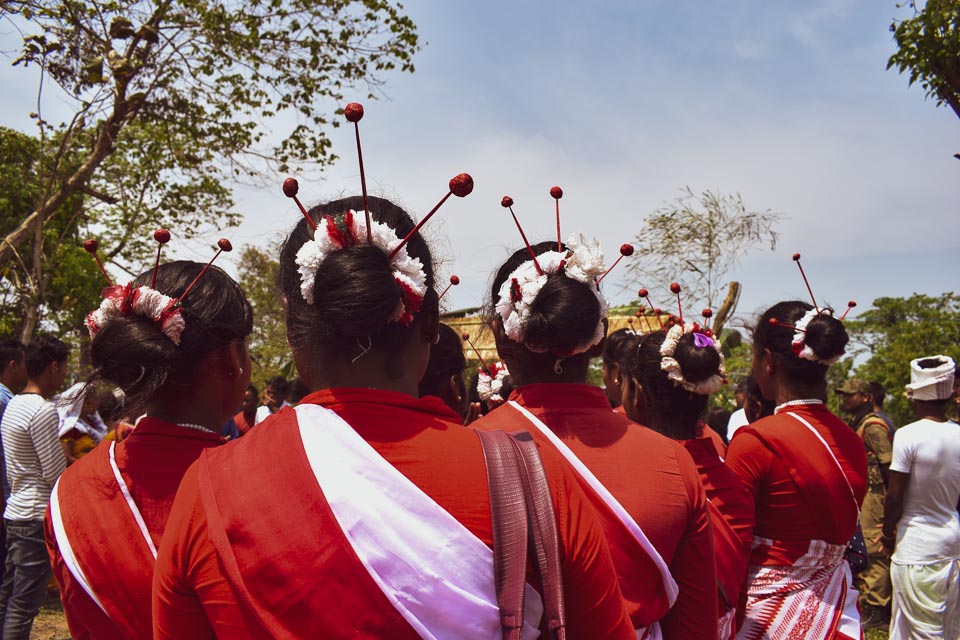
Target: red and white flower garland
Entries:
(800, 347)
(349, 229)
(490, 383)
(124, 300)
(671, 365)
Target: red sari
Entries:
(99, 550)
(656, 482)
(807, 472)
(255, 551)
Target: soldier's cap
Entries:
(854, 385)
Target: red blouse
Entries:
(652, 476)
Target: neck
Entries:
(171, 405)
(38, 386)
(786, 392)
(936, 414)
(673, 429)
(371, 376)
(572, 371)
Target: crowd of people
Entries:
(383, 495)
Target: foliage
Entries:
(170, 98)
(269, 350)
(929, 48)
(55, 275)
(696, 240)
(897, 330)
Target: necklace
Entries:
(195, 427)
(795, 403)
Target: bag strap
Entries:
(508, 515)
(543, 525)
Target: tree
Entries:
(51, 275)
(897, 330)
(696, 240)
(929, 48)
(269, 350)
(172, 97)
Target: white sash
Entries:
(66, 551)
(431, 568)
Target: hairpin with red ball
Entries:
(675, 289)
(454, 281)
(461, 185)
(483, 363)
(162, 236)
(556, 193)
(796, 258)
(353, 112)
(643, 293)
(707, 314)
(626, 250)
(90, 245)
(507, 203)
(222, 245)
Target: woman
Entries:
(364, 512)
(108, 512)
(645, 487)
(670, 401)
(444, 376)
(614, 349)
(807, 472)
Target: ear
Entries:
(768, 361)
(454, 388)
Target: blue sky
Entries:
(622, 104)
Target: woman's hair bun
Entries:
(696, 363)
(563, 316)
(827, 336)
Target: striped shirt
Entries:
(32, 453)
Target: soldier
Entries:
(874, 581)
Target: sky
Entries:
(624, 103)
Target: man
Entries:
(874, 582)
(34, 462)
(13, 376)
(247, 417)
(879, 393)
(274, 398)
(920, 520)
(739, 417)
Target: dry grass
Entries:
(50, 623)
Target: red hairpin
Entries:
(290, 189)
(556, 193)
(643, 293)
(850, 305)
(707, 314)
(483, 363)
(90, 246)
(454, 281)
(626, 250)
(460, 185)
(675, 289)
(796, 258)
(353, 112)
(507, 203)
(223, 245)
(162, 236)
(776, 323)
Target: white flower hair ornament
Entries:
(670, 365)
(125, 300)
(347, 229)
(490, 383)
(580, 260)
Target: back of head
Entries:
(355, 295)
(617, 345)
(446, 360)
(132, 353)
(42, 351)
(878, 393)
(564, 315)
(279, 385)
(671, 407)
(824, 335)
(10, 350)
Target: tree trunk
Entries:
(727, 308)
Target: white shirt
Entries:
(929, 530)
(737, 419)
(264, 412)
(33, 455)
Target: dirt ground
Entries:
(50, 624)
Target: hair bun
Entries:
(826, 336)
(696, 363)
(563, 316)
